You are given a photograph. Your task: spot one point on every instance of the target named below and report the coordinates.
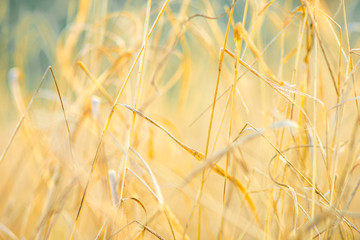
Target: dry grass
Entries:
(181, 120)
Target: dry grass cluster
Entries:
(180, 120)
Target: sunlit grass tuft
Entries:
(180, 120)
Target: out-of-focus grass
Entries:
(179, 119)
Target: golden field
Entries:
(177, 119)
